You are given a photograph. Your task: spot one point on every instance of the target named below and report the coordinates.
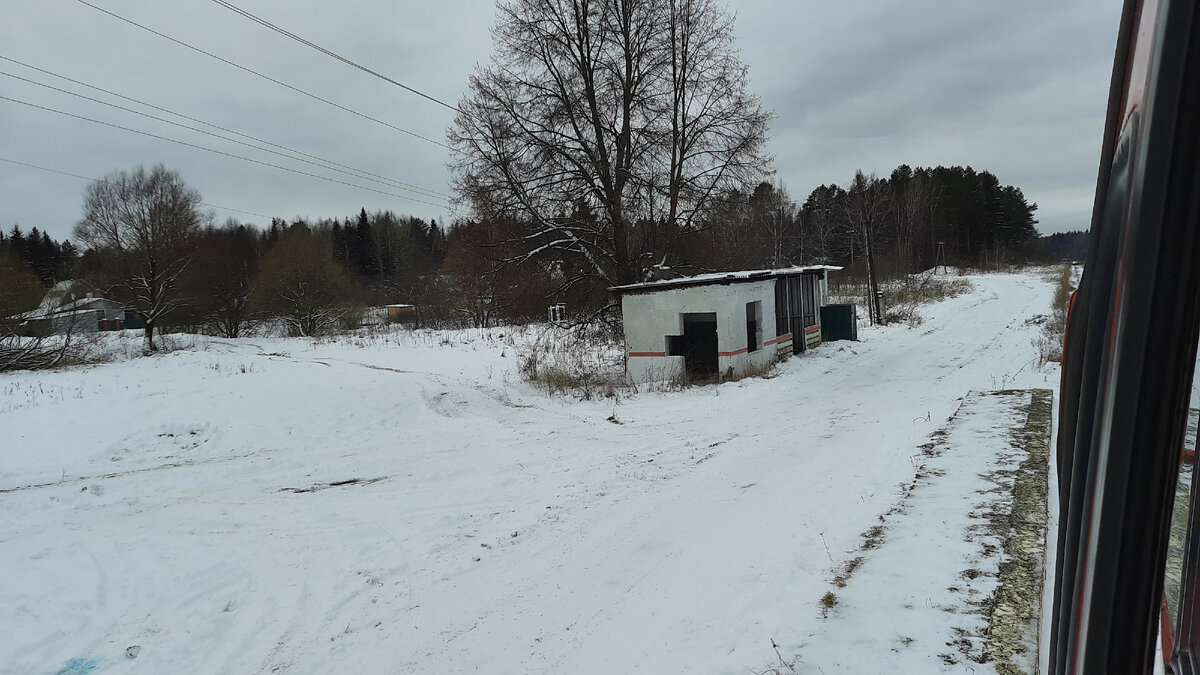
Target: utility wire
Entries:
(230, 6)
(219, 127)
(322, 163)
(219, 152)
(98, 180)
(265, 77)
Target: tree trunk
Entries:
(872, 278)
(148, 344)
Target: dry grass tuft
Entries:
(583, 361)
(1050, 343)
(905, 296)
(828, 602)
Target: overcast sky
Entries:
(1017, 88)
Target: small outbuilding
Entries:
(385, 314)
(401, 313)
(722, 324)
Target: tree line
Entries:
(46, 258)
(873, 227)
(31, 262)
(147, 243)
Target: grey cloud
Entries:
(1017, 88)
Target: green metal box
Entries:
(839, 322)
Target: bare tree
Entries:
(301, 284)
(823, 223)
(143, 226)
(718, 129)
(772, 216)
(599, 104)
(867, 205)
(217, 283)
(915, 199)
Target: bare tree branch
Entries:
(602, 105)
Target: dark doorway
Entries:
(697, 345)
(789, 309)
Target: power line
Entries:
(265, 77)
(219, 127)
(322, 163)
(219, 152)
(98, 180)
(230, 6)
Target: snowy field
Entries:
(408, 505)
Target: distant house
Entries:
(401, 313)
(380, 315)
(721, 324)
(69, 307)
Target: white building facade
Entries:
(720, 325)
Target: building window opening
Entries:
(753, 326)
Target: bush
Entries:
(584, 361)
(903, 296)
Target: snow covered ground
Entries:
(408, 505)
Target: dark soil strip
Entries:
(336, 483)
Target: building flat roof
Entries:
(722, 278)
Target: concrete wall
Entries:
(651, 316)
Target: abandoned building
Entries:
(722, 324)
(382, 315)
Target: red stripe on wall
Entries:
(781, 338)
(811, 329)
(743, 350)
(647, 353)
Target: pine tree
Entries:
(364, 247)
(16, 242)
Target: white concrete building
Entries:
(720, 325)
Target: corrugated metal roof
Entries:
(722, 278)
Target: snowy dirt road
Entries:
(262, 506)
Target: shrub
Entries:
(584, 361)
(1050, 342)
(903, 296)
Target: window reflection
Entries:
(1179, 516)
